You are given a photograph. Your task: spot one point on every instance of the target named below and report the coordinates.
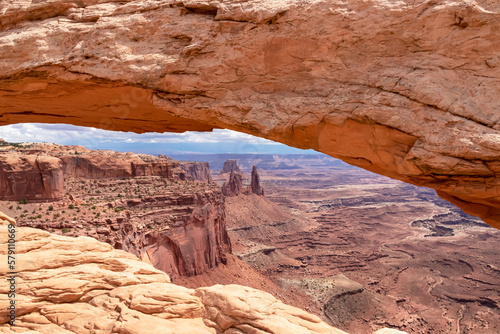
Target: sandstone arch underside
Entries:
(407, 89)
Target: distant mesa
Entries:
(37, 171)
(230, 165)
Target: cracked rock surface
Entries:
(407, 89)
(81, 285)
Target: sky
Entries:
(218, 141)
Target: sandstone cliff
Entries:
(111, 164)
(84, 286)
(407, 89)
(196, 171)
(189, 244)
(30, 177)
(234, 185)
(39, 172)
(230, 165)
(179, 227)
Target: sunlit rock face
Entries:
(407, 89)
(81, 285)
(30, 177)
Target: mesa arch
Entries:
(407, 89)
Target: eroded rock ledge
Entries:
(81, 285)
(407, 89)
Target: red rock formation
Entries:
(255, 187)
(110, 164)
(177, 226)
(230, 165)
(234, 186)
(374, 83)
(191, 246)
(196, 171)
(82, 285)
(37, 177)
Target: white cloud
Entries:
(92, 137)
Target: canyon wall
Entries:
(81, 285)
(38, 173)
(189, 243)
(178, 227)
(111, 164)
(407, 89)
(30, 177)
(196, 171)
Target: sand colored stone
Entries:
(81, 285)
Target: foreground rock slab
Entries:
(81, 285)
(407, 89)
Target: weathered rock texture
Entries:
(234, 186)
(190, 238)
(69, 285)
(39, 171)
(30, 177)
(407, 89)
(178, 226)
(230, 165)
(77, 161)
(255, 187)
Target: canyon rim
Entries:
(406, 89)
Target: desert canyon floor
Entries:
(357, 249)
(372, 251)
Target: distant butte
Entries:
(234, 185)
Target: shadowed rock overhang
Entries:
(407, 89)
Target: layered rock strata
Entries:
(30, 177)
(179, 229)
(81, 285)
(378, 84)
(38, 172)
(234, 186)
(255, 187)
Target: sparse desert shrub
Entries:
(65, 230)
(71, 206)
(51, 208)
(10, 207)
(23, 201)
